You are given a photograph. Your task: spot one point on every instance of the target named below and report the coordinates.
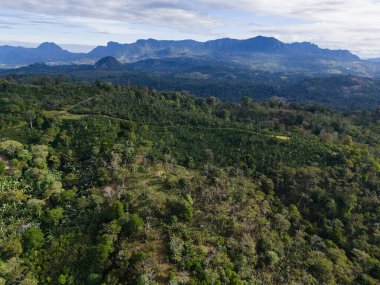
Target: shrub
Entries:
(33, 238)
(134, 225)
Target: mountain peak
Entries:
(261, 44)
(256, 44)
(108, 63)
(112, 44)
(264, 38)
(49, 46)
(150, 40)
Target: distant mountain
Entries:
(258, 44)
(259, 49)
(108, 63)
(224, 80)
(44, 53)
(144, 49)
(374, 60)
(309, 49)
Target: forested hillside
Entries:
(223, 80)
(108, 184)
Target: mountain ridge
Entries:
(224, 80)
(45, 52)
(228, 46)
(151, 48)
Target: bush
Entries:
(94, 279)
(2, 167)
(54, 216)
(181, 208)
(33, 238)
(104, 248)
(113, 211)
(10, 148)
(134, 225)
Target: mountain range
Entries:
(228, 69)
(45, 52)
(253, 49)
(143, 49)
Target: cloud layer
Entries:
(350, 24)
(170, 13)
(353, 24)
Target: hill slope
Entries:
(228, 81)
(116, 185)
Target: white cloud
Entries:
(346, 24)
(169, 13)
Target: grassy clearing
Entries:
(63, 115)
(282, 138)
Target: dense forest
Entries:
(210, 78)
(109, 184)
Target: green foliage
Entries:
(10, 148)
(104, 248)
(114, 185)
(134, 225)
(113, 211)
(94, 279)
(182, 208)
(54, 216)
(2, 167)
(33, 238)
(177, 246)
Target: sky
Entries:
(80, 25)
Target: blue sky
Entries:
(79, 25)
